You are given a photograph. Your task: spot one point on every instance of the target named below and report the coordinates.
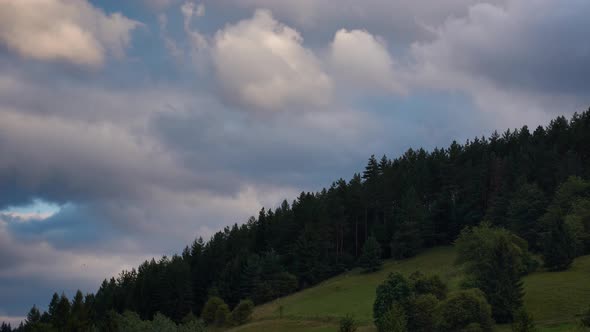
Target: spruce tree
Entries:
(493, 259)
(559, 246)
(370, 260)
(526, 208)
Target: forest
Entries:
(525, 186)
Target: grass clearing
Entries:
(553, 298)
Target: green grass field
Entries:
(553, 298)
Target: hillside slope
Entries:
(553, 298)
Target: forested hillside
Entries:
(529, 181)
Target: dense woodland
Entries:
(529, 181)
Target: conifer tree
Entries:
(370, 260)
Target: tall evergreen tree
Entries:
(526, 208)
(370, 260)
(494, 262)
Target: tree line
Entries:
(533, 183)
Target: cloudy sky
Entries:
(130, 127)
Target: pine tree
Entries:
(370, 260)
(526, 208)
(53, 308)
(559, 246)
(33, 319)
(79, 314)
(62, 314)
(494, 261)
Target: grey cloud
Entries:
(528, 45)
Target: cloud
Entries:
(159, 4)
(57, 30)
(520, 65)
(362, 61)
(401, 20)
(261, 64)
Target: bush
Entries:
(242, 312)
(523, 322)
(473, 327)
(395, 290)
(192, 326)
(463, 308)
(394, 320)
(423, 284)
(222, 315)
(348, 324)
(162, 323)
(421, 313)
(585, 321)
(210, 309)
(129, 321)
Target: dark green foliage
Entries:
(33, 317)
(585, 320)
(566, 225)
(5, 327)
(370, 260)
(192, 326)
(464, 308)
(559, 246)
(395, 290)
(348, 324)
(62, 313)
(421, 313)
(494, 262)
(423, 284)
(162, 323)
(242, 313)
(394, 320)
(210, 309)
(523, 322)
(526, 208)
(222, 315)
(411, 214)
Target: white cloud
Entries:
(362, 61)
(262, 64)
(73, 31)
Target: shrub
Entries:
(162, 323)
(421, 313)
(242, 312)
(523, 322)
(129, 321)
(585, 321)
(222, 315)
(348, 324)
(473, 327)
(463, 308)
(394, 320)
(210, 309)
(395, 290)
(423, 284)
(192, 326)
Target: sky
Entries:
(128, 128)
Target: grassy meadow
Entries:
(553, 298)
